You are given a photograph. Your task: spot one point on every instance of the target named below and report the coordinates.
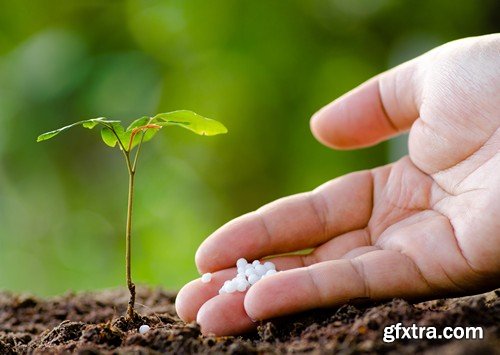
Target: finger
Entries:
(194, 294)
(333, 249)
(377, 274)
(292, 223)
(224, 315)
(338, 247)
(376, 110)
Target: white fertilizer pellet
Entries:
(270, 272)
(247, 275)
(252, 279)
(205, 278)
(143, 329)
(242, 285)
(269, 265)
(230, 287)
(241, 262)
(249, 272)
(260, 270)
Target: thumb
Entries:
(380, 108)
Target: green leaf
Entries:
(138, 123)
(120, 132)
(172, 123)
(90, 124)
(192, 121)
(148, 133)
(108, 137)
(86, 123)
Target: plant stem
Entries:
(139, 146)
(128, 230)
(128, 237)
(138, 151)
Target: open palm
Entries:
(424, 226)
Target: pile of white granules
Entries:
(248, 274)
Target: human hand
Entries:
(425, 226)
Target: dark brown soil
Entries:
(91, 323)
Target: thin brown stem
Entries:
(138, 151)
(128, 244)
(143, 130)
(128, 229)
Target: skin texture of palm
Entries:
(427, 225)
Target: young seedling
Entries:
(138, 132)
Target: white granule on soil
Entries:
(143, 329)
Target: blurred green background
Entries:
(261, 67)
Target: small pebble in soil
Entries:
(247, 275)
(205, 278)
(143, 329)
